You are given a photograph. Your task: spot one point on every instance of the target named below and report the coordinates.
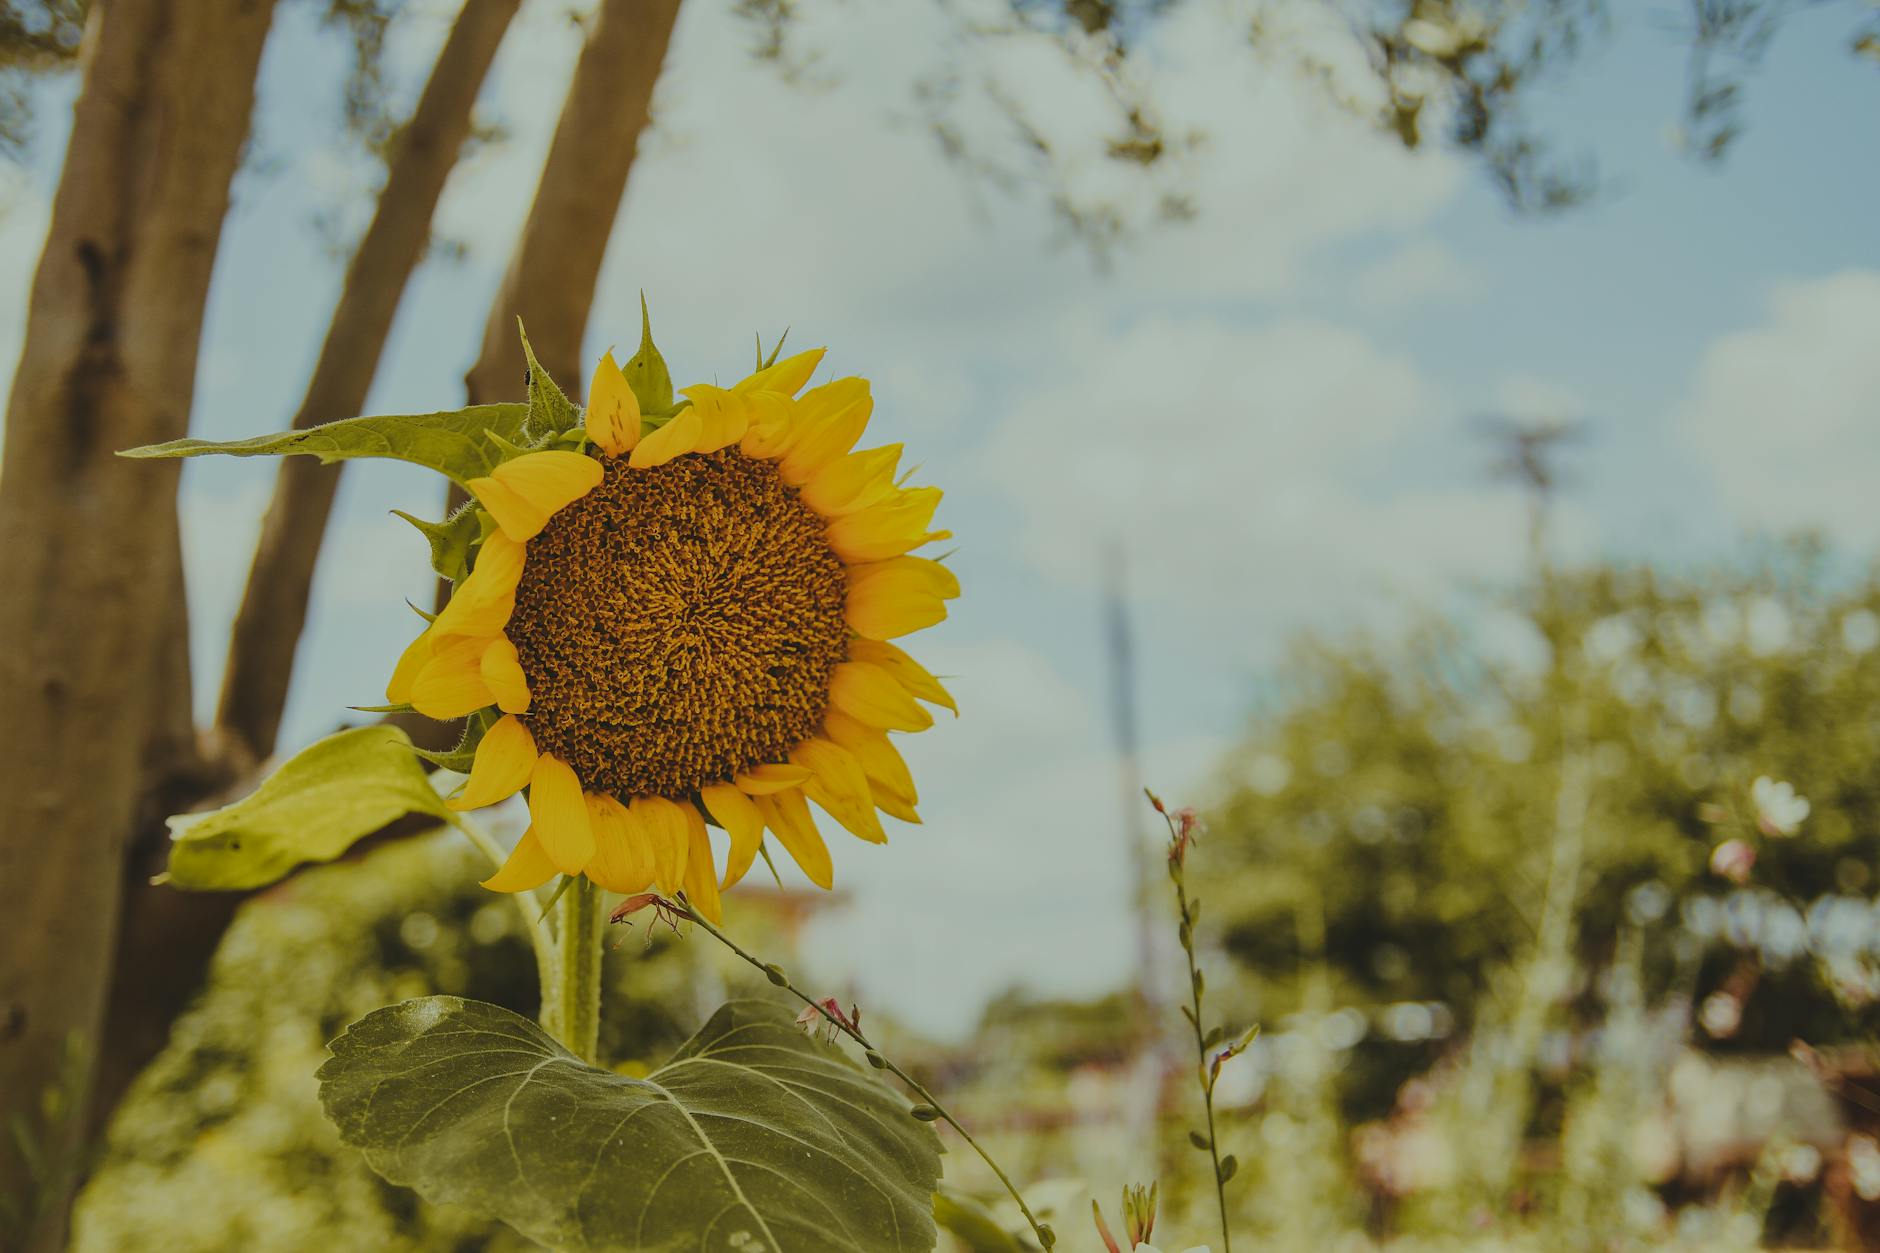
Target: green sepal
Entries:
(456, 443)
(464, 755)
(318, 804)
(646, 372)
(406, 708)
(450, 540)
(550, 410)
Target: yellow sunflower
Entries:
(691, 623)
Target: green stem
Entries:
(1201, 1058)
(775, 973)
(577, 1020)
(534, 925)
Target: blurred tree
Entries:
(1418, 796)
(99, 741)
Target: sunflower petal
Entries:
(723, 417)
(613, 412)
(701, 876)
(734, 812)
(675, 439)
(504, 763)
(770, 777)
(885, 530)
(772, 425)
(665, 830)
(623, 860)
(909, 673)
(879, 759)
(870, 695)
(559, 814)
(839, 786)
(829, 422)
(410, 662)
(541, 481)
(894, 806)
(786, 813)
(502, 672)
(451, 684)
(482, 603)
(853, 482)
(898, 597)
(528, 867)
(786, 376)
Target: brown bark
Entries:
(551, 276)
(274, 605)
(90, 664)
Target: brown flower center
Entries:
(678, 625)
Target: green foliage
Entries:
(461, 443)
(753, 1137)
(464, 754)
(646, 373)
(550, 411)
(315, 807)
(450, 540)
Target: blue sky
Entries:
(1268, 409)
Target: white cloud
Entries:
(1423, 272)
(1787, 414)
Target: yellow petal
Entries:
(885, 530)
(533, 486)
(786, 813)
(482, 603)
(870, 695)
(839, 786)
(623, 860)
(613, 412)
(894, 806)
(405, 673)
(504, 762)
(528, 867)
(701, 876)
(879, 759)
(897, 597)
(786, 376)
(451, 684)
(675, 439)
(664, 825)
(909, 673)
(519, 519)
(853, 482)
(829, 422)
(771, 777)
(723, 417)
(560, 815)
(734, 812)
(772, 425)
(502, 672)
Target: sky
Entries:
(1263, 417)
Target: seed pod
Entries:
(924, 1113)
(774, 973)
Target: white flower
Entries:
(1779, 811)
(1733, 860)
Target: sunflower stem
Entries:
(775, 973)
(576, 1021)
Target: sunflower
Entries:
(686, 625)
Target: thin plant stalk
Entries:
(773, 972)
(1201, 1050)
(577, 1018)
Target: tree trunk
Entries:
(169, 937)
(91, 666)
(551, 277)
(274, 605)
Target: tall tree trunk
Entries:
(551, 276)
(169, 937)
(274, 605)
(92, 608)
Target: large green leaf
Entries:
(457, 442)
(313, 808)
(754, 1138)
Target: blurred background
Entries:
(1434, 438)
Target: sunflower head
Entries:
(676, 615)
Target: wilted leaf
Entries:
(313, 808)
(454, 443)
(754, 1138)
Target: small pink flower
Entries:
(812, 1018)
(1733, 860)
